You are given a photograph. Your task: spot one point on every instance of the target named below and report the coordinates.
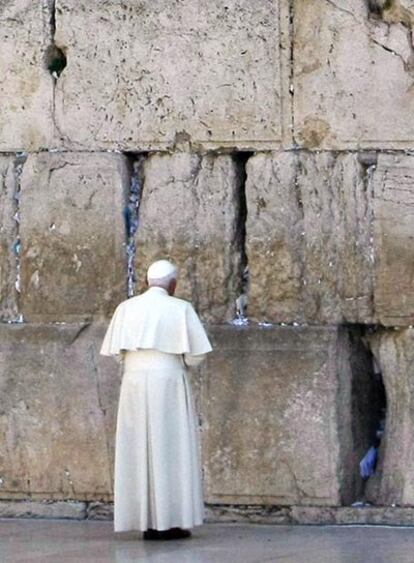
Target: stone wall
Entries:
(267, 148)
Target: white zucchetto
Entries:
(161, 269)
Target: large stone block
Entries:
(274, 238)
(278, 416)
(393, 187)
(46, 509)
(189, 212)
(8, 238)
(393, 482)
(353, 74)
(308, 238)
(141, 76)
(338, 261)
(72, 232)
(57, 418)
(26, 87)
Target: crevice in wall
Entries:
(368, 161)
(292, 68)
(367, 417)
(131, 215)
(55, 62)
(241, 159)
(18, 164)
(55, 57)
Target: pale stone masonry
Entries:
(272, 400)
(308, 242)
(393, 189)
(57, 414)
(73, 235)
(8, 238)
(270, 146)
(26, 87)
(189, 211)
(210, 70)
(393, 484)
(353, 75)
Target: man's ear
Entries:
(171, 287)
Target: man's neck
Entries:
(158, 288)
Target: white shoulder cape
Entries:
(155, 320)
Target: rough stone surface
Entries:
(26, 87)
(311, 515)
(57, 416)
(100, 511)
(8, 237)
(207, 72)
(72, 233)
(274, 242)
(315, 515)
(308, 238)
(277, 417)
(393, 483)
(258, 514)
(189, 212)
(393, 187)
(47, 509)
(224, 514)
(337, 231)
(353, 75)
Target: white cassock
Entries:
(157, 468)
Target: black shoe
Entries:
(171, 534)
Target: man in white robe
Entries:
(157, 471)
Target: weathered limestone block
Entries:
(308, 238)
(26, 87)
(353, 74)
(367, 515)
(393, 187)
(337, 213)
(100, 511)
(277, 408)
(189, 212)
(139, 76)
(57, 415)
(393, 482)
(72, 233)
(8, 235)
(274, 242)
(49, 509)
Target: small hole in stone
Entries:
(55, 60)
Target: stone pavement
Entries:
(45, 541)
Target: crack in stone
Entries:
(390, 12)
(18, 169)
(131, 215)
(55, 57)
(79, 332)
(292, 69)
(368, 161)
(342, 9)
(408, 67)
(241, 318)
(55, 61)
(299, 490)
